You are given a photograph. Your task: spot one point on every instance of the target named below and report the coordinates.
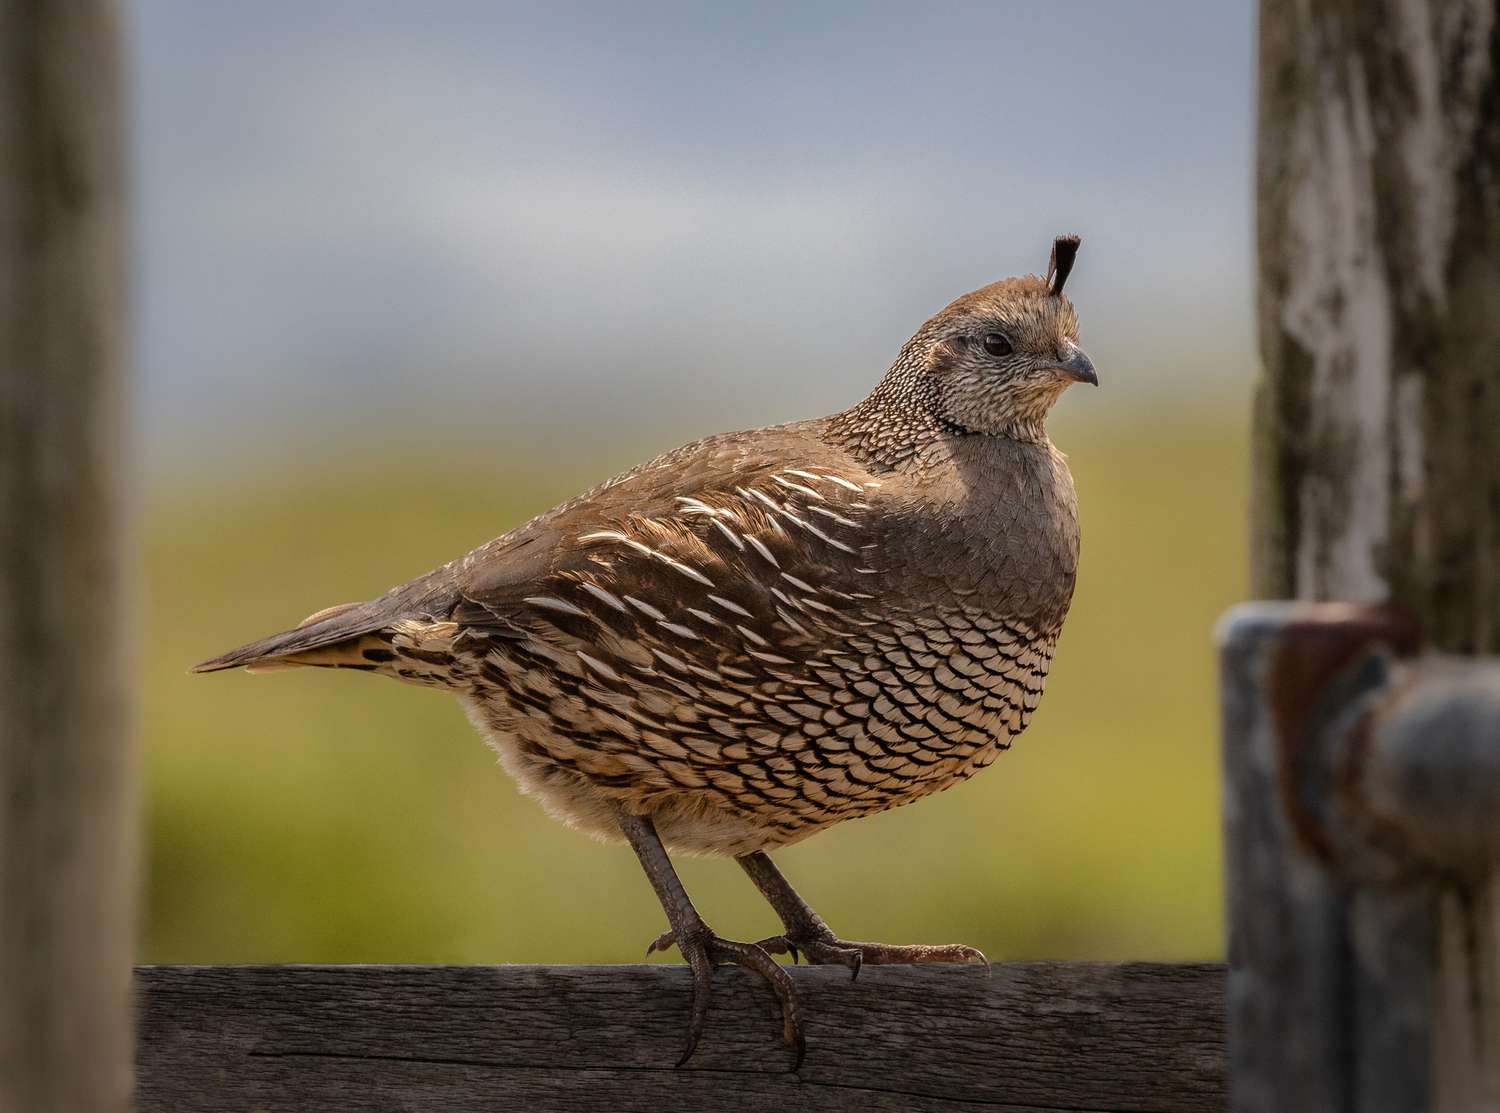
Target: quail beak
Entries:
(1077, 366)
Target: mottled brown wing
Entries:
(745, 556)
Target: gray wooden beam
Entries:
(1142, 1037)
(1287, 922)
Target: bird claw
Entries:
(661, 943)
(703, 951)
(818, 950)
(826, 949)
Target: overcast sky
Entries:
(353, 210)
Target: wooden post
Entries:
(67, 776)
(1377, 476)
(1377, 467)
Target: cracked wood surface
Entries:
(1039, 1036)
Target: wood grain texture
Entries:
(67, 767)
(1030, 1037)
(1378, 252)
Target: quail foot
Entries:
(761, 634)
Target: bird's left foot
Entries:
(820, 946)
(805, 933)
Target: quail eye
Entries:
(996, 344)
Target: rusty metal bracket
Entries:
(1388, 759)
(1330, 667)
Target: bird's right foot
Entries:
(704, 950)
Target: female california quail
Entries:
(763, 633)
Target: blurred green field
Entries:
(321, 817)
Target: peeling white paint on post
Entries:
(1336, 308)
(1438, 43)
(1408, 446)
(1426, 148)
(1372, 149)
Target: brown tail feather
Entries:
(416, 651)
(347, 654)
(328, 637)
(333, 636)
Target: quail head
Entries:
(763, 633)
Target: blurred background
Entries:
(410, 273)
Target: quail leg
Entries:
(805, 932)
(702, 949)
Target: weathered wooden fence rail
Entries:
(1078, 1037)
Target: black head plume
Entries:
(1064, 251)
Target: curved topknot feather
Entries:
(1064, 251)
